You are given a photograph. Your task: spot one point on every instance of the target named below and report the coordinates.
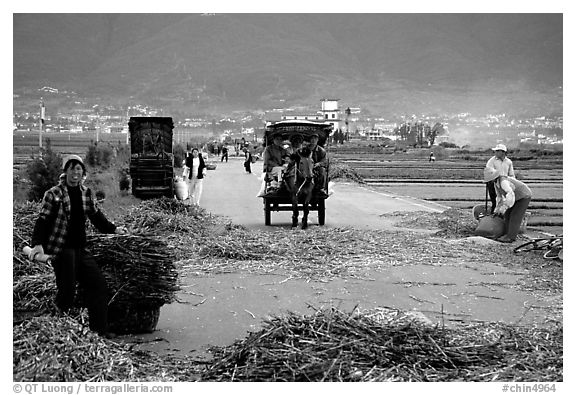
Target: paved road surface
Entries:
(231, 192)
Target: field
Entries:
(455, 180)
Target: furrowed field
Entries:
(455, 178)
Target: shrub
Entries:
(43, 172)
(179, 155)
(122, 153)
(446, 144)
(98, 155)
(124, 182)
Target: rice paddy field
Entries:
(457, 182)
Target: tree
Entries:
(436, 130)
(43, 172)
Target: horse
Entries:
(299, 182)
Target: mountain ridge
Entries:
(446, 61)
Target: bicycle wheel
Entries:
(536, 244)
(554, 253)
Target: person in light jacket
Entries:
(194, 172)
(512, 200)
(504, 166)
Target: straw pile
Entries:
(450, 223)
(137, 269)
(341, 171)
(141, 277)
(323, 253)
(165, 216)
(334, 346)
(33, 287)
(61, 349)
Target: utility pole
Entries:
(42, 116)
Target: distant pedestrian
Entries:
(195, 169)
(513, 198)
(432, 157)
(224, 154)
(247, 160)
(503, 165)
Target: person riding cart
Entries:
(275, 158)
(320, 160)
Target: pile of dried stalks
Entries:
(34, 285)
(62, 349)
(138, 270)
(334, 346)
(450, 223)
(164, 215)
(339, 171)
(323, 253)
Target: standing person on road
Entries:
(195, 167)
(60, 231)
(224, 154)
(247, 160)
(513, 198)
(504, 167)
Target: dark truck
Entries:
(151, 157)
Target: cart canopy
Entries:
(304, 128)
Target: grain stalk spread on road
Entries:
(326, 346)
(331, 345)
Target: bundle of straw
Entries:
(334, 346)
(138, 270)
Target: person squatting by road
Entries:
(504, 167)
(513, 198)
(60, 231)
(194, 172)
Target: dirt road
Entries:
(220, 309)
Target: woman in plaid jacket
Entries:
(60, 231)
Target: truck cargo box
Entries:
(151, 158)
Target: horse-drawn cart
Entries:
(296, 189)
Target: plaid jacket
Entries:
(52, 225)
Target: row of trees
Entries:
(419, 133)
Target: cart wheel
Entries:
(267, 216)
(321, 212)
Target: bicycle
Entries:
(553, 246)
